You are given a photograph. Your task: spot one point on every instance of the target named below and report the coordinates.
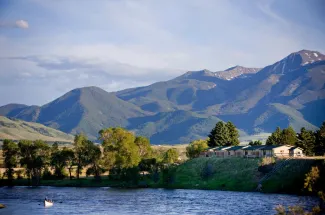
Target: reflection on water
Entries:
(25, 200)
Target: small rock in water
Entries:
(2, 206)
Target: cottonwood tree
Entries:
(120, 149)
(10, 154)
(80, 151)
(61, 159)
(170, 156)
(35, 156)
(143, 144)
(194, 149)
(94, 160)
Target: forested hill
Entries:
(288, 92)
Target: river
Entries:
(28, 201)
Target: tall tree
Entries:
(35, 156)
(80, 142)
(10, 154)
(171, 156)
(143, 144)
(275, 138)
(233, 134)
(320, 140)
(255, 143)
(94, 160)
(61, 159)
(288, 136)
(120, 144)
(70, 159)
(219, 136)
(194, 149)
(306, 141)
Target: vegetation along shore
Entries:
(125, 160)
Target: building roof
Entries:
(254, 147)
(235, 148)
(295, 147)
(270, 147)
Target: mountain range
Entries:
(288, 92)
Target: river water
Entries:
(29, 201)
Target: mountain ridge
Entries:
(186, 107)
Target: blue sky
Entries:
(49, 47)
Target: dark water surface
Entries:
(28, 201)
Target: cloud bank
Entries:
(122, 44)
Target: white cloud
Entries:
(121, 44)
(18, 24)
(22, 24)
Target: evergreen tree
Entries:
(275, 138)
(255, 143)
(320, 140)
(288, 136)
(219, 135)
(306, 141)
(233, 134)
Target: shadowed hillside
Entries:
(290, 92)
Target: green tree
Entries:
(143, 144)
(194, 149)
(233, 134)
(306, 141)
(120, 149)
(80, 150)
(10, 154)
(94, 160)
(288, 136)
(255, 143)
(35, 156)
(70, 159)
(320, 140)
(275, 138)
(61, 159)
(55, 147)
(171, 156)
(219, 136)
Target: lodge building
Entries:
(254, 151)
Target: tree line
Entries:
(223, 134)
(226, 134)
(120, 152)
(312, 142)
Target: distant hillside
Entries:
(288, 92)
(17, 129)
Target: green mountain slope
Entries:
(17, 129)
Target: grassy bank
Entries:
(233, 174)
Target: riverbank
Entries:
(231, 174)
